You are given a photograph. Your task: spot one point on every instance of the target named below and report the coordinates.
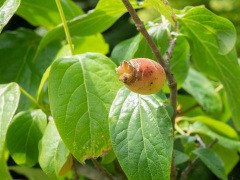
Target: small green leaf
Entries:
(110, 157)
(94, 43)
(7, 10)
(199, 127)
(230, 157)
(212, 161)
(165, 9)
(52, 152)
(141, 134)
(203, 91)
(23, 135)
(45, 12)
(125, 50)
(180, 157)
(9, 98)
(96, 21)
(17, 49)
(81, 91)
(213, 39)
(30, 173)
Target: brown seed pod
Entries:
(142, 75)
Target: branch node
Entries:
(140, 26)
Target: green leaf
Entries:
(17, 49)
(9, 98)
(45, 12)
(96, 21)
(217, 126)
(30, 173)
(141, 134)
(165, 9)
(212, 36)
(110, 157)
(199, 127)
(212, 161)
(203, 91)
(7, 10)
(180, 157)
(230, 157)
(94, 43)
(81, 91)
(23, 135)
(52, 152)
(125, 50)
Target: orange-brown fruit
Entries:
(142, 75)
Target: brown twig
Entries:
(194, 162)
(188, 110)
(172, 83)
(102, 170)
(199, 139)
(74, 168)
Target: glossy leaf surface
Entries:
(81, 91)
(53, 153)
(9, 98)
(23, 135)
(212, 161)
(213, 39)
(141, 134)
(7, 10)
(203, 91)
(45, 12)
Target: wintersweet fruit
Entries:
(142, 75)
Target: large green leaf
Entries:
(203, 91)
(52, 152)
(213, 39)
(199, 127)
(7, 10)
(96, 21)
(23, 135)
(45, 12)
(17, 50)
(212, 161)
(141, 134)
(9, 98)
(81, 91)
(164, 8)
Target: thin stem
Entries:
(102, 170)
(172, 83)
(65, 25)
(179, 130)
(189, 109)
(74, 169)
(199, 139)
(194, 162)
(34, 100)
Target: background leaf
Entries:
(212, 161)
(17, 49)
(199, 127)
(23, 135)
(45, 12)
(30, 173)
(96, 21)
(213, 36)
(52, 151)
(7, 10)
(141, 134)
(9, 98)
(203, 91)
(81, 91)
(164, 8)
(180, 157)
